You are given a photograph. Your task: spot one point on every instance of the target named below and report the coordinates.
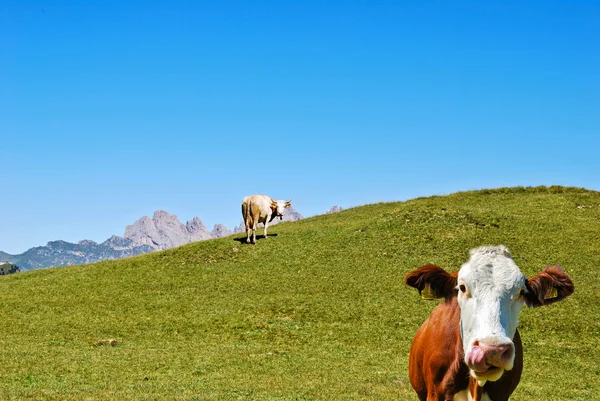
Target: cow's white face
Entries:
(279, 207)
(490, 295)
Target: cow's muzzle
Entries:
(490, 359)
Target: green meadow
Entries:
(318, 311)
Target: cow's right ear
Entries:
(548, 286)
(432, 282)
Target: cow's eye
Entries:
(522, 292)
(462, 288)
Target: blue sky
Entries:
(110, 110)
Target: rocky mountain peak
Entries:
(334, 209)
(197, 230)
(239, 229)
(195, 225)
(143, 232)
(219, 231)
(165, 231)
(164, 217)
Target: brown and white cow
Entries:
(258, 209)
(469, 348)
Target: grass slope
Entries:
(317, 312)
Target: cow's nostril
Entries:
(497, 355)
(507, 354)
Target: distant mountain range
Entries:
(162, 231)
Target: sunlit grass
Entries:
(317, 312)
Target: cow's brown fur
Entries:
(436, 366)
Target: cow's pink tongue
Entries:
(476, 360)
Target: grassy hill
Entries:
(318, 311)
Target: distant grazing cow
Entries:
(469, 348)
(261, 209)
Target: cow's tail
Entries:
(248, 213)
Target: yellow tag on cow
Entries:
(552, 294)
(427, 293)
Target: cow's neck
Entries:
(273, 215)
(457, 379)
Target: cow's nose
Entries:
(476, 359)
(498, 355)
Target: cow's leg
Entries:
(266, 225)
(440, 397)
(247, 224)
(254, 232)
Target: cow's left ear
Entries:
(549, 286)
(432, 282)
(273, 204)
(288, 203)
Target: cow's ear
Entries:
(274, 204)
(288, 203)
(432, 282)
(549, 286)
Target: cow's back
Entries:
(254, 207)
